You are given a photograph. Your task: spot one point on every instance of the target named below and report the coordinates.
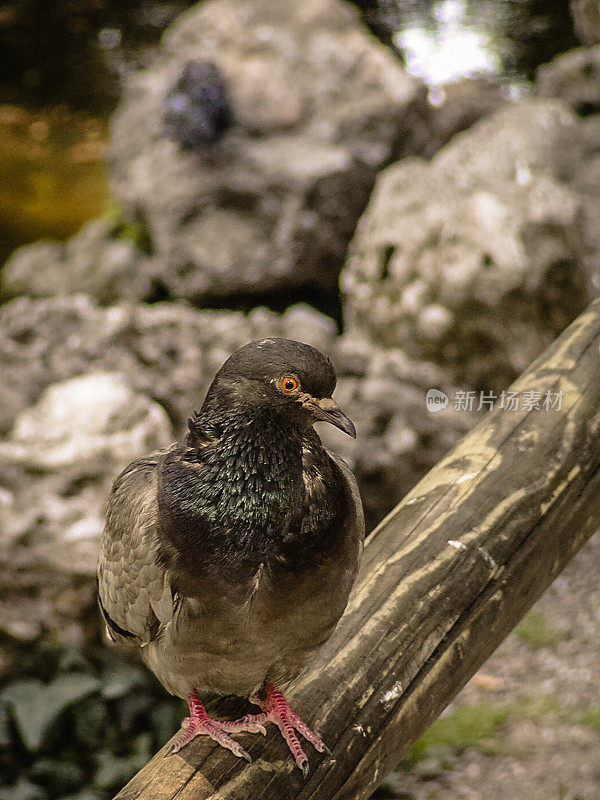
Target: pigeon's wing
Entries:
(134, 590)
(357, 521)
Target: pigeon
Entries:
(227, 559)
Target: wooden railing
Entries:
(443, 580)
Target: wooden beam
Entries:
(444, 579)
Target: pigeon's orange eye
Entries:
(289, 384)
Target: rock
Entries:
(453, 254)
(575, 78)
(104, 259)
(196, 111)
(56, 469)
(319, 106)
(458, 105)
(170, 352)
(90, 417)
(30, 266)
(586, 19)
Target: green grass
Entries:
(535, 632)
(471, 726)
(479, 727)
(536, 709)
(591, 718)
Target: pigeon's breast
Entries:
(234, 634)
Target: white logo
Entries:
(436, 400)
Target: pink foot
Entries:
(199, 722)
(276, 709)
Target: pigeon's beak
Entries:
(327, 410)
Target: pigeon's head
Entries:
(292, 378)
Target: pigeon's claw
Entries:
(276, 709)
(199, 722)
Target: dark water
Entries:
(75, 52)
(62, 64)
(61, 68)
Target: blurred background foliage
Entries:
(79, 725)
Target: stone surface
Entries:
(458, 105)
(575, 78)
(269, 211)
(168, 351)
(56, 469)
(478, 259)
(90, 417)
(319, 106)
(103, 260)
(586, 19)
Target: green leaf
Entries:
(118, 680)
(35, 705)
(23, 790)
(115, 771)
(58, 777)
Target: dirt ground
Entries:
(527, 725)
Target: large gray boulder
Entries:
(574, 77)
(319, 106)
(457, 105)
(479, 258)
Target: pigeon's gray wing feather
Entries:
(133, 586)
(358, 523)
